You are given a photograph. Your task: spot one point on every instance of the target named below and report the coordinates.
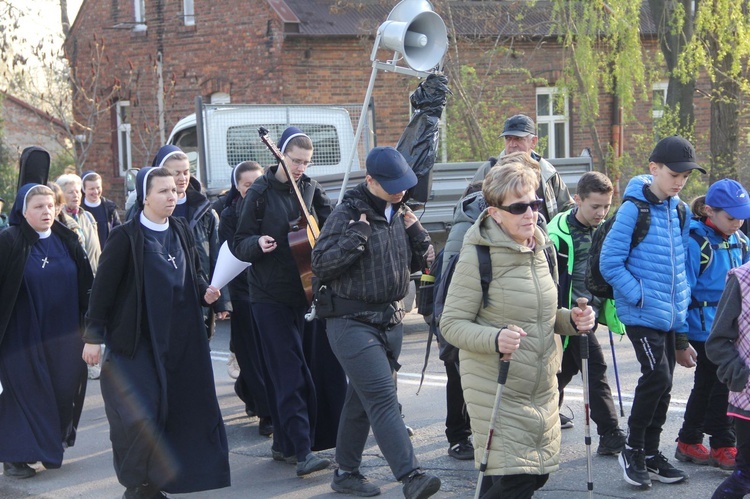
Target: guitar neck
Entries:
(306, 217)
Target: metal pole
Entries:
(358, 133)
(502, 376)
(584, 340)
(617, 376)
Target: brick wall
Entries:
(239, 48)
(25, 126)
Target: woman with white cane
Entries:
(525, 437)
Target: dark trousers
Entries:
(655, 353)
(512, 486)
(289, 384)
(371, 401)
(737, 485)
(706, 410)
(250, 387)
(600, 395)
(457, 422)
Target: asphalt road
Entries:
(87, 469)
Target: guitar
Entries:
(304, 231)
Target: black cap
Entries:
(677, 153)
(519, 125)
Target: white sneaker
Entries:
(233, 368)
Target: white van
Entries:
(231, 136)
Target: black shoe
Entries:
(265, 427)
(353, 483)
(18, 470)
(611, 443)
(660, 469)
(633, 463)
(145, 491)
(463, 450)
(420, 485)
(565, 421)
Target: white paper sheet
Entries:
(227, 267)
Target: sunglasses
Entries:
(520, 208)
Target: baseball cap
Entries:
(677, 153)
(519, 125)
(390, 169)
(730, 196)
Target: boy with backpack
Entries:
(716, 245)
(571, 232)
(652, 296)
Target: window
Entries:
(123, 136)
(552, 123)
(220, 98)
(659, 99)
(188, 12)
(139, 15)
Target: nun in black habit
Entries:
(45, 277)
(157, 380)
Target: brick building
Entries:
(163, 54)
(24, 125)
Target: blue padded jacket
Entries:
(706, 288)
(649, 281)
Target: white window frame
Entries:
(139, 15)
(124, 143)
(188, 12)
(662, 87)
(552, 119)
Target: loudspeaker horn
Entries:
(415, 31)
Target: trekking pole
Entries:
(617, 376)
(502, 376)
(582, 302)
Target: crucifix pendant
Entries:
(44, 262)
(171, 260)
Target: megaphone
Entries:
(415, 31)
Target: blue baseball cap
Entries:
(730, 196)
(390, 169)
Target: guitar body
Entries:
(301, 248)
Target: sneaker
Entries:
(311, 464)
(277, 455)
(233, 368)
(723, 457)
(660, 469)
(633, 463)
(694, 453)
(353, 483)
(94, 371)
(420, 485)
(18, 470)
(265, 427)
(463, 450)
(565, 421)
(611, 443)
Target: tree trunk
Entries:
(725, 116)
(64, 20)
(679, 94)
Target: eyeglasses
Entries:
(299, 162)
(520, 208)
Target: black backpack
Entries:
(594, 280)
(707, 249)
